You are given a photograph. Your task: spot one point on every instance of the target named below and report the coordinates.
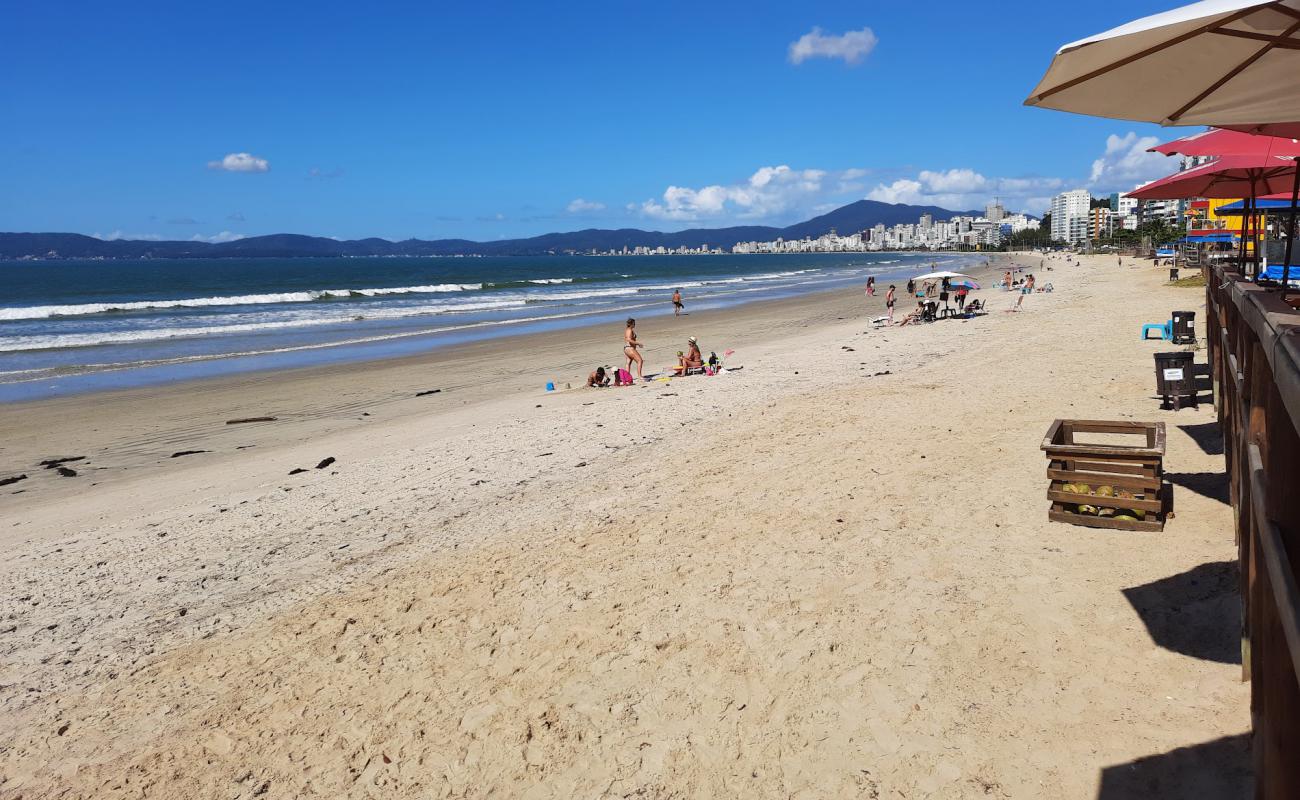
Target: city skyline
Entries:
(168, 125)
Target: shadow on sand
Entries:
(1213, 485)
(1207, 435)
(1196, 613)
(1218, 769)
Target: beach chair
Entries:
(930, 314)
(1165, 330)
(974, 307)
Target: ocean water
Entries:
(74, 326)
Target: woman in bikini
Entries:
(631, 345)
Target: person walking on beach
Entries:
(1027, 288)
(1006, 280)
(889, 303)
(677, 302)
(631, 347)
(911, 287)
(871, 286)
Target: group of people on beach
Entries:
(687, 360)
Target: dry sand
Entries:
(829, 575)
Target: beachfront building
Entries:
(926, 234)
(1100, 222)
(1070, 216)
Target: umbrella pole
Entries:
(1241, 246)
(1290, 232)
(1252, 251)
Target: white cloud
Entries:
(217, 238)
(580, 206)
(1127, 163)
(850, 46)
(769, 192)
(241, 162)
(964, 189)
(118, 234)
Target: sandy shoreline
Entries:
(148, 425)
(829, 575)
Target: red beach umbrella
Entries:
(1289, 130)
(1228, 177)
(1220, 142)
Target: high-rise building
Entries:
(994, 212)
(1070, 216)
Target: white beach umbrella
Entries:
(1226, 63)
(940, 275)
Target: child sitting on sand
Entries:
(598, 378)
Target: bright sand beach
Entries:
(830, 574)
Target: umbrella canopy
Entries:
(939, 275)
(1219, 142)
(1228, 63)
(1286, 130)
(1272, 203)
(1230, 176)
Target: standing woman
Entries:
(871, 286)
(889, 303)
(630, 347)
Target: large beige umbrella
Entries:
(1226, 63)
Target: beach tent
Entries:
(1227, 63)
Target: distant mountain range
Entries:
(846, 220)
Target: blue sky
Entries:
(490, 120)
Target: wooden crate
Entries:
(1134, 469)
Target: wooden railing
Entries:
(1253, 341)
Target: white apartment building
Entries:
(1070, 216)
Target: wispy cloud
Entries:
(316, 173)
(498, 217)
(964, 189)
(235, 216)
(1123, 163)
(580, 206)
(769, 192)
(1126, 163)
(241, 162)
(118, 234)
(851, 47)
(182, 221)
(217, 238)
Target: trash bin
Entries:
(1184, 327)
(1175, 379)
